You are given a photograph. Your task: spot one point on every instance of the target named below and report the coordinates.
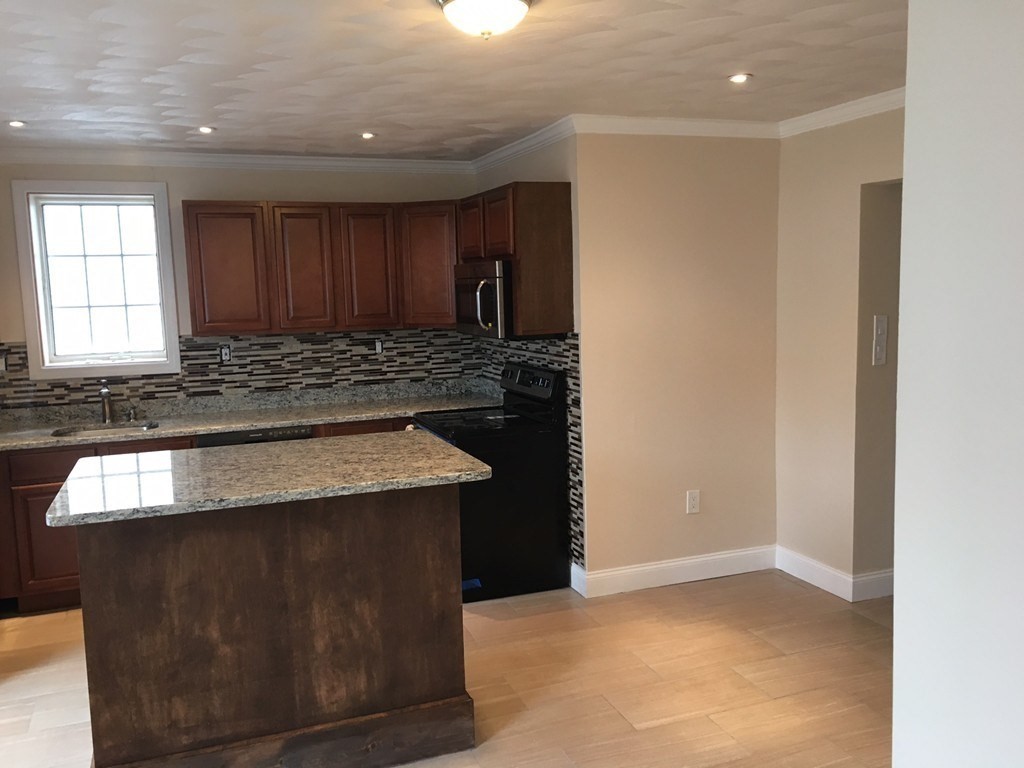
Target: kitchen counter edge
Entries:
(208, 479)
(230, 421)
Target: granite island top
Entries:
(105, 489)
(229, 421)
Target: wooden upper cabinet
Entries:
(369, 265)
(227, 267)
(427, 238)
(471, 229)
(304, 267)
(487, 225)
(530, 224)
(499, 234)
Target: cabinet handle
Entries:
(479, 307)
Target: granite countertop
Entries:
(105, 489)
(229, 421)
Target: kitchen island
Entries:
(288, 604)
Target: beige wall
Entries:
(677, 246)
(821, 175)
(875, 452)
(209, 183)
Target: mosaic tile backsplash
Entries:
(262, 364)
(277, 370)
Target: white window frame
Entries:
(28, 229)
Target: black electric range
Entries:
(515, 526)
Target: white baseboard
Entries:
(813, 572)
(578, 579)
(660, 574)
(865, 586)
(868, 586)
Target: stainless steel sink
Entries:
(106, 430)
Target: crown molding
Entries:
(844, 113)
(669, 126)
(558, 130)
(572, 125)
(185, 159)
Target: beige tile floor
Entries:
(752, 671)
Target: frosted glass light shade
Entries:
(483, 18)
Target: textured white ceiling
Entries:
(307, 76)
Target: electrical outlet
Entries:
(225, 353)
(379, 346)
(3, 363)
(693, 502)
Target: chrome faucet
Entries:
(106, 404)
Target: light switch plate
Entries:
(880, 340)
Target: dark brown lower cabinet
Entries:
(39, 564)
(47, 557)
(46, 571)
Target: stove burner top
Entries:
(533, 402)
(491, 418)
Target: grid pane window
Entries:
(63, 228)
(99, 257)
(103, 292)
(68, 287)
(101, 229)
(138, 230)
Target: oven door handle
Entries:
(479, 307)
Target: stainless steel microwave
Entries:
(483, 298)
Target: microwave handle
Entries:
(479, 307)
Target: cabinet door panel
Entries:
(471, 229)
(428, 261)
(498, 233)
(370, 266)
(227, 260)
(10, 582)
(304, 265)
(47, 557)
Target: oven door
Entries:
(481, 299)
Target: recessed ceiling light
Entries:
(740, 78)
(16, 124)
(367, 135)
(205, 129)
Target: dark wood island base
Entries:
(324, 632)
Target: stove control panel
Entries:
(538, 383)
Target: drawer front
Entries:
(34, 467)
(146, 446)
(353, 428)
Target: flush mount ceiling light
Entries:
(740, 78)
(205, 129)
(16, 124)
(367, 135)
(483, 18)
